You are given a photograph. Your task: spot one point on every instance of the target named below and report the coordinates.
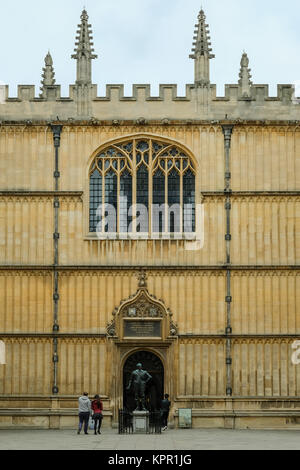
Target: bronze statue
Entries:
(139, 378)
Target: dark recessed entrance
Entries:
(155, 389)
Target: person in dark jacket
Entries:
(97, 407)
(165, 410)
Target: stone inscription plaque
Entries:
(142, 329)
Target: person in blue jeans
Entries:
(84, 409)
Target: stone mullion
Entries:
(118, 199)
(166, 229)
(103, 201)
(150, 194)
(227, 131)
(56, 138)
(134, 187)
(181, 198)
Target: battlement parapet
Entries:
(199, 102)
(243, 100)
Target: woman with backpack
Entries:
(97, 407)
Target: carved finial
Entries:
(111, 328)
(84, 52)
(202, 52)
(142, 277)
(245, 82)
(47, 75)
(173, 329)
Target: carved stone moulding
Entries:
(142, 307)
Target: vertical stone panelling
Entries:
(265, 159)
(201, 368)
(265, 230)
(263, 368)
(27, 367)
(26, 300)
(82, 366)
(265, 302)
(207, 313)
(25, 158)
(89, 298)
(76, 250)
(26, 231)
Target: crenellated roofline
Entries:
(243, 100)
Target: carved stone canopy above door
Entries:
(142, 315)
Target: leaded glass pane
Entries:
(174, 201)
(157, 147)
(142, 199)
(142, 146)
(95, 199)
(189, 222)
(111, 152)
(158, 199)
(125, 201)
(128, 147)
(111, 201)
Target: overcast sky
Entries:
(149, 41)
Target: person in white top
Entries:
(84, 409)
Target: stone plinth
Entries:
(140, 422)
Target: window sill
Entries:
(142, 237)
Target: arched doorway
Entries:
(155, 389)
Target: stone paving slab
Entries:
(198, 439)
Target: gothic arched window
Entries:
(143, 186)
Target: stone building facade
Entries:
(214, 312)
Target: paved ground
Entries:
(212, 439)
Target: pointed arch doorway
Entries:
(155, 389)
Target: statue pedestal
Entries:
(140, 422)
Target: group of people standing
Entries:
(94, 408)
(89, 408)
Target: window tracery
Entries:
(148, 185)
